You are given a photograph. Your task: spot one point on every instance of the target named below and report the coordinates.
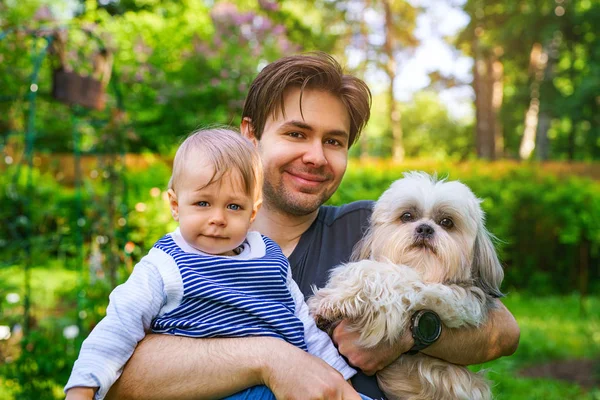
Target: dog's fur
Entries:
(453, 271)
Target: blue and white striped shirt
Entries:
(178, 290)
(232, 297)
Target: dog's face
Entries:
(435, 227)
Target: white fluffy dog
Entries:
(426, 249)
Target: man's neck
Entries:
(283, 228)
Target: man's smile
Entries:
(307, 179)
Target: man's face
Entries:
(304, 154)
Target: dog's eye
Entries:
(447, 223)
(406, 217)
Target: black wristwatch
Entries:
(426, 328)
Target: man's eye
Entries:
(202, 204)
(333, 142)
(234, 207)
(295, 134)
(406, 217)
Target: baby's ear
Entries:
(255, 208)
(173, 204)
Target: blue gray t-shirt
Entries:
(327, 243)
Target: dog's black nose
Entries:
(425, 231)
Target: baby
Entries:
(211, 277)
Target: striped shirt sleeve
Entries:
(131, 309)
(318, 342)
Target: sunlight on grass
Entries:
(552, 328)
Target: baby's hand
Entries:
(81, 393)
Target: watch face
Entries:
(429, 326)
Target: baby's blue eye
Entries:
(202, 204)
(234, 207)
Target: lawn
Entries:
(553, 329)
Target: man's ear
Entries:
(247, 130)
(173, 204)
(255, 208)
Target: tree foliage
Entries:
(178, 65)
(565, 33)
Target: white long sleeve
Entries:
(131, 309)
(318, 342)
(155, 288)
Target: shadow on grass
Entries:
(585, 373)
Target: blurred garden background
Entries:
(95, 95)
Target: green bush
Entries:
(548, 227)
(37, 213)
(149, 217)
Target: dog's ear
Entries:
(487, 270)
(362, 249)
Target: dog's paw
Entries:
(322, 323)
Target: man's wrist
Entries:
(271, 356)
(405, 343)
(426, 329)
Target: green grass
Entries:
(552, 328)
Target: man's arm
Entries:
(172, 367)
(498, 337)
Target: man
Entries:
(303, 114)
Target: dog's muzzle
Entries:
(424, 231)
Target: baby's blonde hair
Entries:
(226, 150)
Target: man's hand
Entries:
(373, 359)
(498, 337)
(299, 375)
(81, 393)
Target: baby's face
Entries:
(215, 218)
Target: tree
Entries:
(381, 34)
(430, 132)
(550, 62)
(179, 65)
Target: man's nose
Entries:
(314, 154)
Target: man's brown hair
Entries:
(313, 71)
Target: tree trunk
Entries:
(542, 143)
(487, 83)
(390, 69)
(538, 60)
(364, 143)
(497, 95)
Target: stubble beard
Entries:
(283, 200)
